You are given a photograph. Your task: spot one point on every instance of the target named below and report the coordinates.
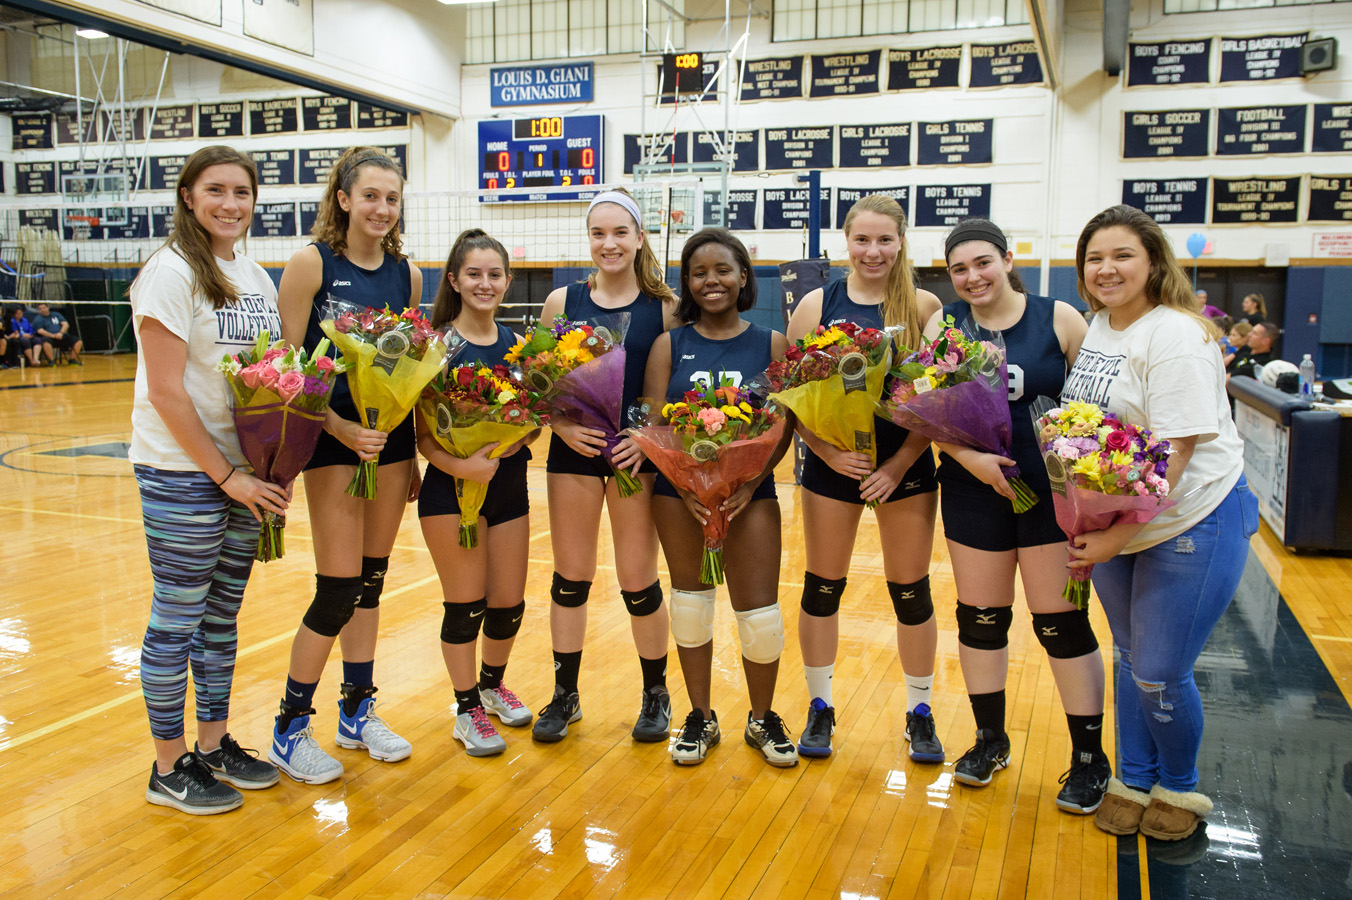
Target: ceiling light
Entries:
(90, 33)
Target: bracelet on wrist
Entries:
(222, 482)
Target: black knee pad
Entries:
(461, 621)
(569, 593)
(821, 596)
(912, 602)
(984, 627)
(644, 602)
(335, 601)
(372, 580)
(503, 623)
(1065, 635)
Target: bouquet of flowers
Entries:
(468, 408)
(390, 358)
(832, 380)
(714, 442)
(1102, 470)
(955, 389)
(279, 397)
(577, 368)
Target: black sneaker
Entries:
(769, 737)
(978, 765)
(654, 716)
(235, 765)
(1085, 783)
(696, 737)
(925, 745)
(191, 788)
(552, 723)
(815, 741)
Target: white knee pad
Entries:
(692, 617)
(762, 633)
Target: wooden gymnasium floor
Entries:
(594, 816)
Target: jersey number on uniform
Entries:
(1015, 383)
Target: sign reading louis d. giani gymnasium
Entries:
(530, 85)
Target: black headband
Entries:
(975, 231)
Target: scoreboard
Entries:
(543, 152)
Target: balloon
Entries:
(1196, 243)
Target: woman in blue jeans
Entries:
(1149, 359)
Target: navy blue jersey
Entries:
(1037, 367)
(645, 324)
(697, 361)
(390, 285)
(837, 308)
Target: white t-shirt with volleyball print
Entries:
(163, 292)
(1163, 373)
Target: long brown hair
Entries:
(332, 220)
(189, 239)
(1260, 303)
(650, 273)
(900, 306)
(1166, 285)
(448, 304)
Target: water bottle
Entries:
(1307, 377)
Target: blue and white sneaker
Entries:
(367, 731)
(921, 735)
(815, 741)
(297, 753)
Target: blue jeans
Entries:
(1162, 604)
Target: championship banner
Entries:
(773, 79)
(925, 69)
(1169, 62)
(1165, 133)
(1169, 201)
(1261, 58)
(1002, 65)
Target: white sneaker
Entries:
(501, 702)
(478, 734)
(696, 737)
(367, 731)
(298, 754)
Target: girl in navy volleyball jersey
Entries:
(837, 483)
(628, 279)
(717, 285)
(987, 540)
(485, 586)
(357, 256)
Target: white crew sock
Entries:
(918, 689)
(819, 682)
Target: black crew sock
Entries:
(566, 667)
(490, 677)
(1086, 733)
(467, 700)
(654, 671)
(989, 711)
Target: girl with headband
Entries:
(356, 256)
(987, 540)
(628, 278)
(878, 292)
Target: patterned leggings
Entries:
(201, 547)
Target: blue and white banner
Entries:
(531, 85)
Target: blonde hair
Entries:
(1166, 285)
(647, 270)
(332, 220)
(900, 306)
(190, 240)
(1260, 303)
(1243, 328)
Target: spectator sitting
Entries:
(54, 331)
(1239, 340)
(1211, 312)
(20, 330)
(1260, 350)
(1255, 309)
(4, 352)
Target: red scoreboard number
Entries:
(546, 151)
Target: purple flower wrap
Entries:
(591, 395)
(972, 413)
(277, 437)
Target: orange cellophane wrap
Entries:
(714, 481)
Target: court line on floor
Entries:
(29, 737)
(26, 387)
(1331, 637)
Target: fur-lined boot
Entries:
(1173, 815)
(1121, 809)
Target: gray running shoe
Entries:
(654, 716)
(191, 788)
(552, 724)
(238, 766)
(815, 741)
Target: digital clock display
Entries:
(547, 151)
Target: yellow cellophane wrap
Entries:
(462, 442)
(835, 416)
(393, 394)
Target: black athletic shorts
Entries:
(402, 444)
(507, 497)
(821, 479)
(564, 460)
(764, 491)
(979, 518)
